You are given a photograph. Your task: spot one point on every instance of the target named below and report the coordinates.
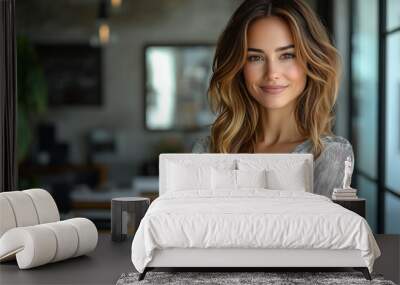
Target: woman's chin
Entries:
(274, 104)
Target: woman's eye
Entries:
(288, 56)
(254, 58)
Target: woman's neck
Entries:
(279, 127)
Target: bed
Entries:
(247, 211)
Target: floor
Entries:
(111, 259)
(103, 266)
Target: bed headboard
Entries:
(268, 160)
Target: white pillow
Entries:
(282, 174)
(223, 179)
(293, 179)
(237, 179)
(181, 177)
(251, 178)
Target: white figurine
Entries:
(347, 173)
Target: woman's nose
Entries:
(271, 71)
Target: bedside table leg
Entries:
(364, 271)
(143, 274)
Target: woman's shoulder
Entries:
(201, 145)
(329, 142)
(336, 148)
(335, 140)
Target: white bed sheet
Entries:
(250, 218)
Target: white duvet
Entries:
(251, 218)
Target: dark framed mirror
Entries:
(176, 79)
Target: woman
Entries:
(274, 86)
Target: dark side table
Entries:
(126, 214)
(355, 205)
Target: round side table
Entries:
(126, 214)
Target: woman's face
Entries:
(272, 73)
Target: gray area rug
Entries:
(225, 278)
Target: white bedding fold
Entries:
(252, 218)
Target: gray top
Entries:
(328, 167)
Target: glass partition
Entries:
(392, 136)
(365, 101)
(393, 112)
(393, 14)
(365, 85)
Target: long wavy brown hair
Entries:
(237, 127)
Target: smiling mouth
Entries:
(273, 89)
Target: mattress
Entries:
(250, 218)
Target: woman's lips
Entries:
(273, 89)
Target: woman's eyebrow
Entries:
(278, 49)
(255, 49)
(285, 47)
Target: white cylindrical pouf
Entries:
(40, 247)
(33, 246)
(7, 218)
(46, 207)
(67, 239)
(23, 207)
(87, 235)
